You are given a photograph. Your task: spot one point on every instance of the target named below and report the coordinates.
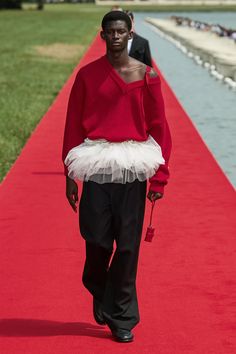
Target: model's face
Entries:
(116, 35)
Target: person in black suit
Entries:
(138, 47)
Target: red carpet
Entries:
(186, 279)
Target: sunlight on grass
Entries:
(39, 50)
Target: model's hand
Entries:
(152, 196)
(72, 192)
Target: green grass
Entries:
(28, 82)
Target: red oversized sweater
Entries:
(103, 106)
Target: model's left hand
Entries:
(152, 196)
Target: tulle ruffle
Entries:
(107, 162)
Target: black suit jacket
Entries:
(140, 49)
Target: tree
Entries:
(10, 4)
(40, 4)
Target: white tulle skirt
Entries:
(107, 162)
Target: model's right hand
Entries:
(72, 193)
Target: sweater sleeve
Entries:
(74, 134)
(158, 128)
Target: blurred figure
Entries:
(138, 47)
(116, 8)
(202, 26)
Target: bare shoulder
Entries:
(137, 67)
(136, 64)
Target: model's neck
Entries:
(118, 59)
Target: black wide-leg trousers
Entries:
(113, 212)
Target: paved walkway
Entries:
(218, 51)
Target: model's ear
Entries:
(102, 34)
(130, 34)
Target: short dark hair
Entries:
(116, 16)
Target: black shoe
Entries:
(97, 312)
(123, 335)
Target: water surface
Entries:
(210, 104)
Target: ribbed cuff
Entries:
(156, 187)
